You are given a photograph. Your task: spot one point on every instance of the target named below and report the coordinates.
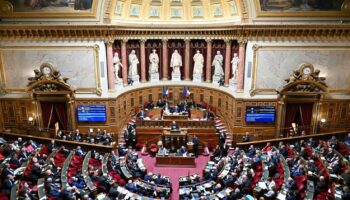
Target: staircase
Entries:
(221, 126)
(121, 139)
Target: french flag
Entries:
(186, 92)
(165, 91)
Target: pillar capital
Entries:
(124, 40)
(165, 40)
(228, 41)
(143, 40)
(242, 41)
(109, 41)
(187, 40)
(208, 40)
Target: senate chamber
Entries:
(174, 99)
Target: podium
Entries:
(176, 138)
(175, 117)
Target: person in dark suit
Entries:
(113, 191)
(131, 186)
(183, 150)
(7, 170)
(217, 153)
(52, 146)
(142, 114)
(7, 185)
(291, 184)
(195, 145)
(35, 173)
(222, 137)
(175, 126)
(98, 136)
(160, 103)
(224, 149)
(321, 185)
(52, 189)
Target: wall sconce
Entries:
(322, 122)
(30, 119)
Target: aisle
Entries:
(175, 173)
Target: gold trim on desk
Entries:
(96, 90)
(344, 12)
(272, 91)
(8, 12)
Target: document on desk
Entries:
(262, 185)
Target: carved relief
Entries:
(305, 79)
(47, 78)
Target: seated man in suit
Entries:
(162, 151)
(142, 114)
(183, 150)
(52, 146)
(7, 185)
(175, 126)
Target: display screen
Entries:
(95, 113)
(265, 114)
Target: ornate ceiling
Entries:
(175, 11)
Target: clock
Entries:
(307, 70)
(46, 70)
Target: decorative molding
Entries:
(271, 91)
(8, 12)
(97, 90)
(305, 81)
(100, 32)
(344, 12)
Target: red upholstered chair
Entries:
(210, 145)
(153, 149)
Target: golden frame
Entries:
(95, 48)
(345, 12)
(7, 12)
(272, 91)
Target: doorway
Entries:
(52, 113)
(300, 114)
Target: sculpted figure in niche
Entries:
(133, 62)
(217, 64)
(198, 63)
(154, 62)
(116, 65)
(234, 63)
(176, 62)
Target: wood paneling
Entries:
(15, 113)
(336, 113)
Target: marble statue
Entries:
(116, 65)
(154, 62)
(217, 64)
(198, 63)
(234, 63)
(176, 62)
(133, 62)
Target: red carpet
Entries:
(174, 173)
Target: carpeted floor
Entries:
(174, 172)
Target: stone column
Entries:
(143, 60)
(110, 67)
(208, 65)
(165, 59)
(187, 59)
(124, 61)
(240, 74)
(227, 61)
